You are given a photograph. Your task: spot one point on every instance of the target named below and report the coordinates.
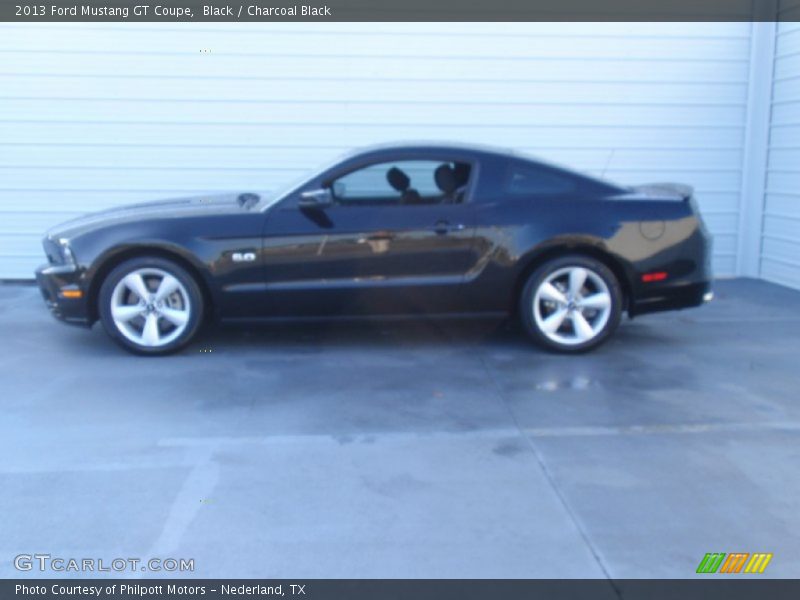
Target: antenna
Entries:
(608, 161)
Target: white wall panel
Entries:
(93, 115)
(780, 245)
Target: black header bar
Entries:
(398, 10)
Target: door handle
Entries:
(443, 227)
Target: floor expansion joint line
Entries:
(551, 480)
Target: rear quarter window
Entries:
(530, 180)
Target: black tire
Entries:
(188, 295)
(605, 322)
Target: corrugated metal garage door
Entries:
(780, 250)
(97, 115)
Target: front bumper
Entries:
(54, 282)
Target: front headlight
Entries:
(58, 251)
(66, 252)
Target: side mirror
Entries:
(320, 198)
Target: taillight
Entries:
(654, 276)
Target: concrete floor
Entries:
(409, 449)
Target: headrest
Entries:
(397, 179)
(445, 179)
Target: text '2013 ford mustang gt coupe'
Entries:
(390, 230)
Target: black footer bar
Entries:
(727, 588)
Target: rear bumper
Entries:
(687, 271)
(673, 297)
(53, 282)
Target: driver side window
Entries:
(403, 182)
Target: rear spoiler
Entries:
(679, 191)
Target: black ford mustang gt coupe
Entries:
(391, 230)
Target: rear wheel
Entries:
(571, 304)
(150, 305)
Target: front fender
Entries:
(95, 271)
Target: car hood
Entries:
(160, 209)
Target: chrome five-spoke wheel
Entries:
(150, 305)
(571, 303)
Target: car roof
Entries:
(434, 146)
(476, 150)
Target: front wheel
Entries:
(150, 305)
(571, 304)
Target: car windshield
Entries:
(271, 197)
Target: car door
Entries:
(372, 247)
